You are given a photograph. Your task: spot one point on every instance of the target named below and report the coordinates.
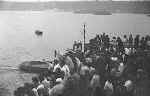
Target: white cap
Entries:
(59, 80)
(114, 58)
(128, 83)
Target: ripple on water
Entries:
(10, 80)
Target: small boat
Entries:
(34, 66)
(94, 12)
(38, 33)
(103, 12)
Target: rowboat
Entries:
(34, 66)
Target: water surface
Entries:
(18, 41)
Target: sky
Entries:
(66, 0)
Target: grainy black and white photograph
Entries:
(74, 47)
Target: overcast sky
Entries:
(67, 0)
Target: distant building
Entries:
(103, 0)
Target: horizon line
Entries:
(38, 1)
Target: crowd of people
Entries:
(106, 67)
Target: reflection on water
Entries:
(11, 79)
(19, 43)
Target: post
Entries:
(84, 38)
(55, 53)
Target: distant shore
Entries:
(138, 7)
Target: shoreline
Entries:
(141, 7)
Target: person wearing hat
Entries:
(60, 62)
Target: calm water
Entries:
(19, 43)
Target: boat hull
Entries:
(34, 66)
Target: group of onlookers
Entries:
(102, 42)
(107, 67)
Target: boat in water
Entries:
(34, 66)
(94, 12)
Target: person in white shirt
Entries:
(37, 87)
(56, 67)
(69, 63)
(51, 66)
(109, 88)
(63, 67)
(66, 70)
(128, 51)
(125, 41)
(129, 85)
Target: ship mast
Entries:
(84, 30)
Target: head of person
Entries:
(41, 77)
(50, 79)
(62, 60)
(75, 42)
(125, 36)
(129, 85)
(137, 36)
(35, 80)
(56, 61)
(84, 71)
(58, 70)
(107, 35)
(142, 38)
(130, 36)
(140, 74)
(92, 71)
(114, 38)
(88, 60)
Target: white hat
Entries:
(59, 80)
(128, 83)
(114, 58)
